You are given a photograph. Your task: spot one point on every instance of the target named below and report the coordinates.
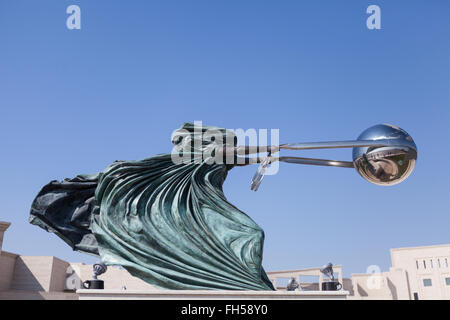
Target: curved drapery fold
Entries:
(65, 208)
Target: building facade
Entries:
(416, 273)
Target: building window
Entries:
(446, 263)
(431, 264)
(447, 281)
(417, 264)
(427, 282)
(416, 296)
(424, 264)
(439, 263)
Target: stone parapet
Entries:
(90, 294)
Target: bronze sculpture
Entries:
(169, 222)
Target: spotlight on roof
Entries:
(328, 271)
(98, 269)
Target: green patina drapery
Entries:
(166, 223)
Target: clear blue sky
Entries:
(73, 101)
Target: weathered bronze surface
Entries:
(168, 224)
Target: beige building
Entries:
(416, 273)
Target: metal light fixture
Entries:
(330, 285)
(328, 271)
(293, 285)
(98, 269)
(383, 154)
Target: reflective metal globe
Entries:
(385, 165)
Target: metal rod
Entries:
(316, 162)
(335, 144)
(245, 150)
(297, 160)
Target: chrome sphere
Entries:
(387, 165)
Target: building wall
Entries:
(59, 274)
(32, 273)
(3, 227)
(7, 263)
(398, 282)
(427, 269)
(114, 278)
(37, 295)
(391, 285)
(371, 286)
(2, 232)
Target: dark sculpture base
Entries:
(94, 284)
(331, 286)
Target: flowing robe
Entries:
(166, 223)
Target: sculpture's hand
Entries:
(259, 174)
